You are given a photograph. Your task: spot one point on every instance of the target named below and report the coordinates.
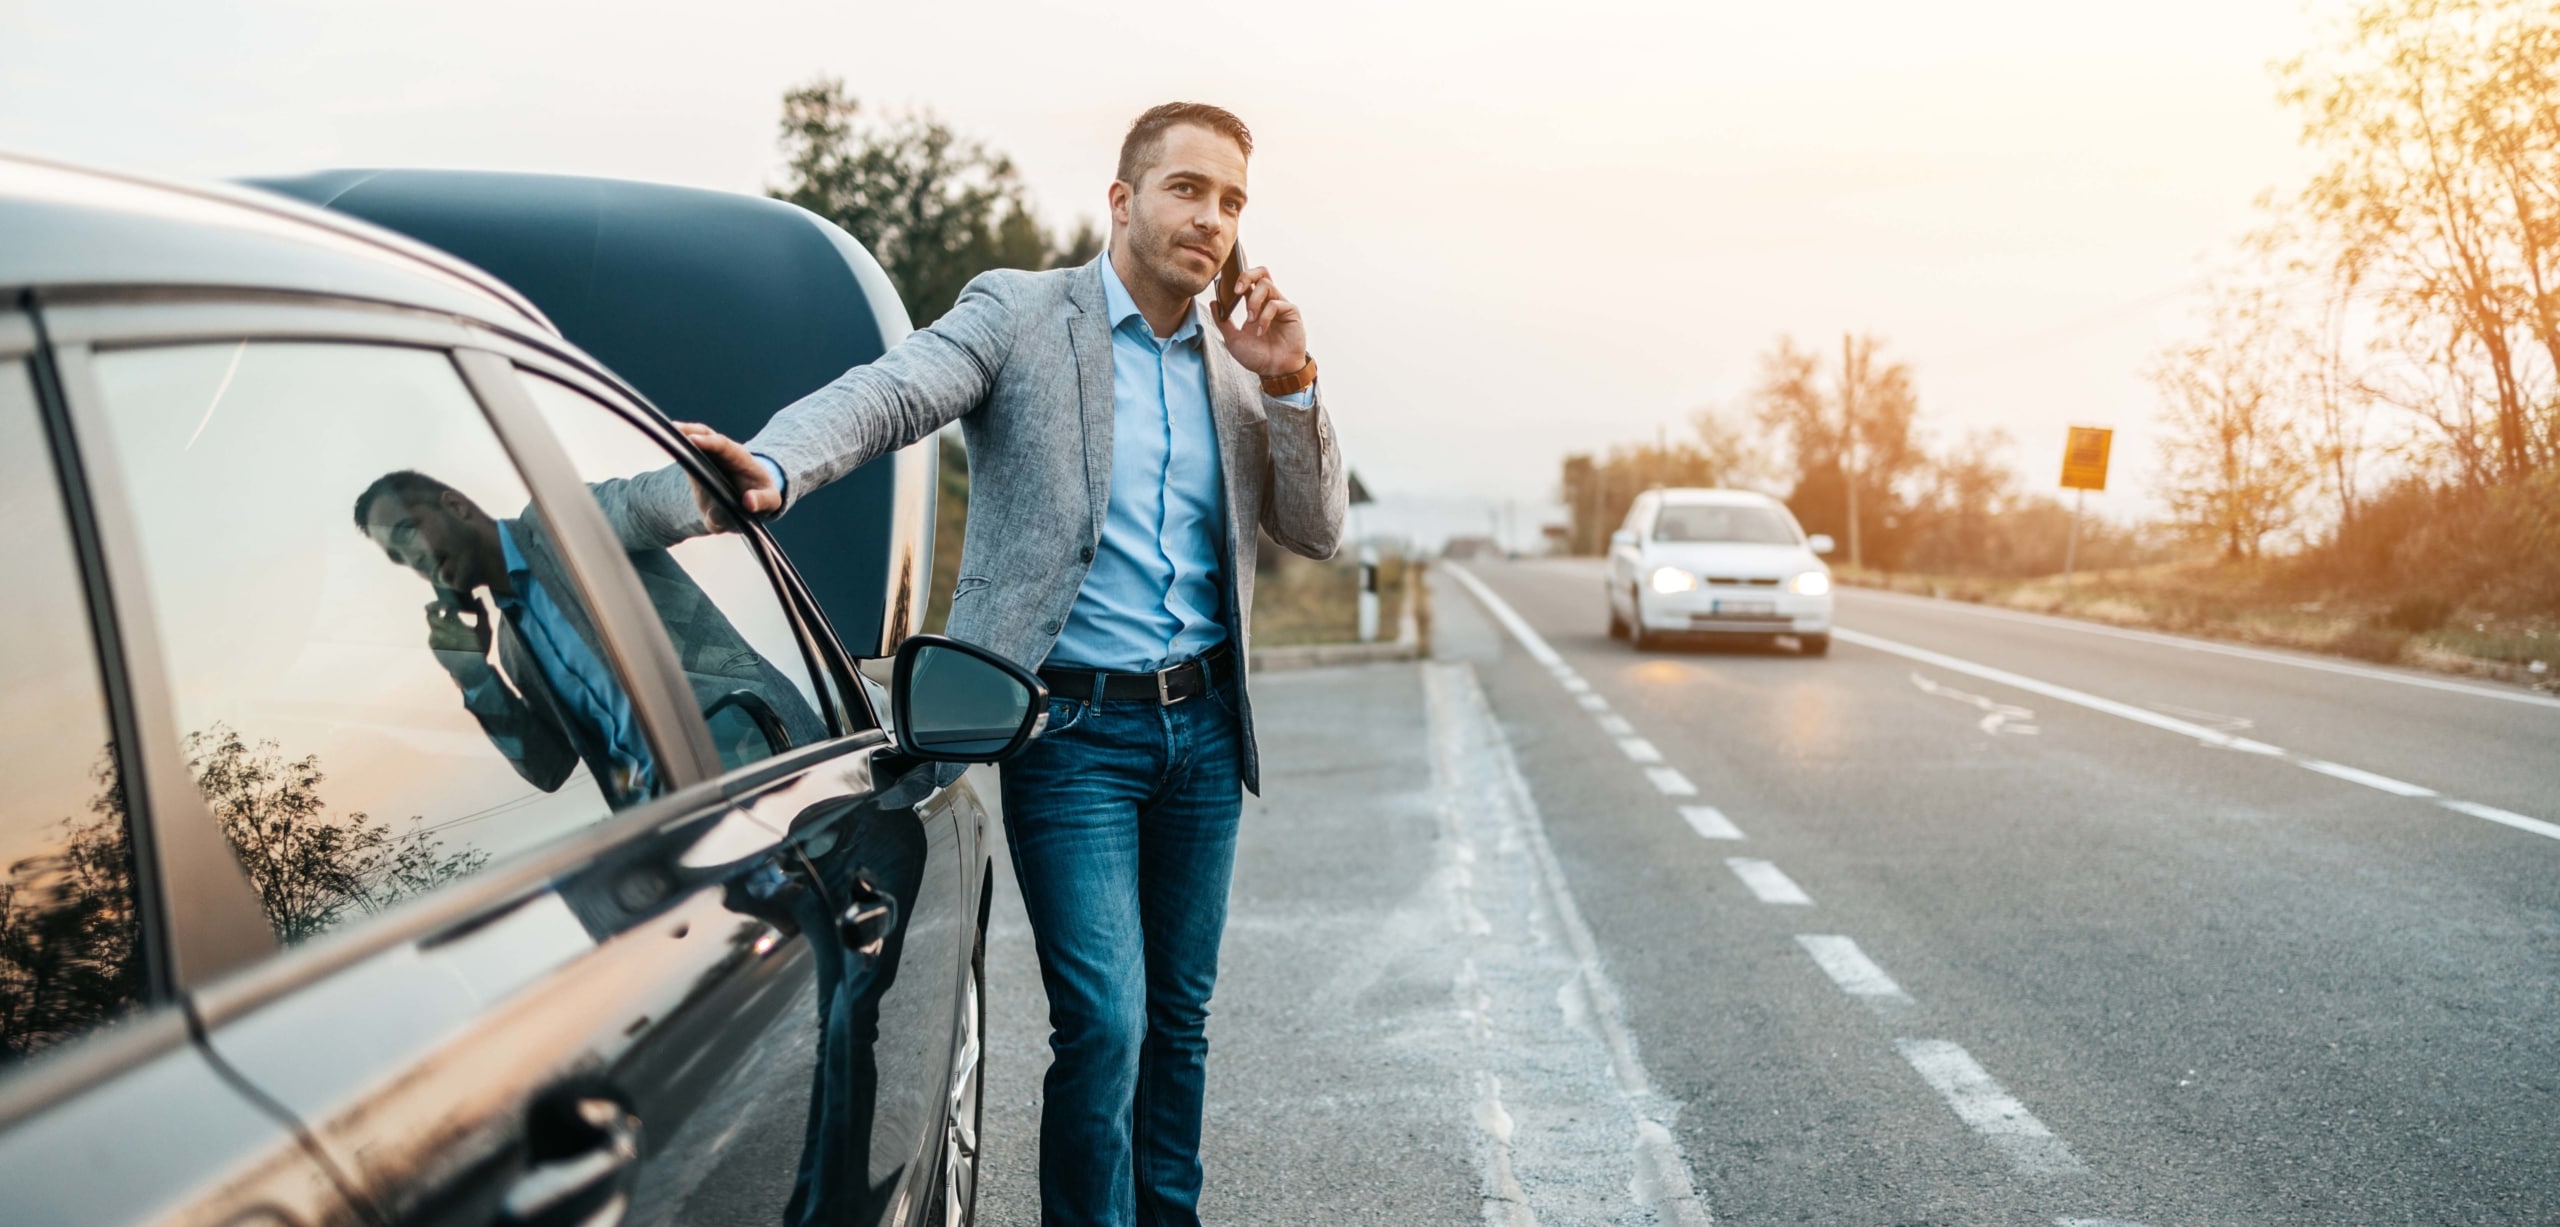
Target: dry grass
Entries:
(1304, 602)
(2247, 603)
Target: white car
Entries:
(1725, 562)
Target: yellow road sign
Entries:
(2084, 458)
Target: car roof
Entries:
(1696, 496)
(67, 227)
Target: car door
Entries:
(110, 1112)
(526, 961)
(902, 851)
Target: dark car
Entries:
(413, 816)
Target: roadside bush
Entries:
(2416, 613)
(2382, 645)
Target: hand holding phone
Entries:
(457, 622)
(1230, 282)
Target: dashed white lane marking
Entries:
(2209, 736)
(1988, 1110)
(1592, 702)
(1576, 685)
(1617, 726)
(1669, 782)
(1710, 822)
(1640, 750)
(2224, 649)
(1767, 881)
(1851, 969)
(2094, 1222)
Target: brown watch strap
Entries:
(1297, 381)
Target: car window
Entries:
(382, 675)
(70, 940)
(741, 651)
(1738, 524)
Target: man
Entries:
(558, 704)
(1122, 454)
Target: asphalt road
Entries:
(2032, 923)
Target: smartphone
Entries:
(463, 605)
(1229, 278)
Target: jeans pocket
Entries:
(1064, 714)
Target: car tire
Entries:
(955, 1194)
(1617, 625)
(1637, 636)
(1814, 645)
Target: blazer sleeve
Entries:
(922, 384)
(1309, 493)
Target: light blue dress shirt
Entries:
(576, 675)
(1154, 597)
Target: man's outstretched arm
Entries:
(921, 385)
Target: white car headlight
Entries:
(1811, 583)
(1673, 579)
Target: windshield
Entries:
(1742, 524)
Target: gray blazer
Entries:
(1023, 363)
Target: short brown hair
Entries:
(1145, 142)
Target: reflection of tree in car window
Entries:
(1738, 525)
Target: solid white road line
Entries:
(2094, 1222)
(1767, 881)
(1988, 1110)
(2188, 728)
(1850, 968)
(1710, 822)
(1530, 639)
(1617, 726)
(2182, 643)
(1640, 750)
(1669, 782)
(2503, 817)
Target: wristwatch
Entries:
(1296, 381)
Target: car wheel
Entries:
(1637, 636)
(1617, 624)
(1814, 645)
(955, 1200)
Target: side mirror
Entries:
(1820, 542)
(956, 702)
(1623, 539)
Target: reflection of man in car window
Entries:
(558, 703)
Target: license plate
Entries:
(1745, 609)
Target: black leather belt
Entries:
(1165, 687)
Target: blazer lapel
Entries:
(1089, 332)
(1235, 405)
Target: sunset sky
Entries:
(1517, 230)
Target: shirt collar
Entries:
(516, 565)
(1122, 308)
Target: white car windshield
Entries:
(1743, 524)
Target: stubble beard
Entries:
(1156, 256)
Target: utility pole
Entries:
(1849, 441)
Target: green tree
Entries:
(68, 928)
(935, 208)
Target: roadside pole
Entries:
(2084, 468)
(1368, 593)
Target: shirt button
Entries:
(1050, 629)
(1085, 555)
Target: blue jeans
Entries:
(1122, 821)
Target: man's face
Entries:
(435, 537)
(1179, 219)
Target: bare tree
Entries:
(2235, 465)
(1852, 425)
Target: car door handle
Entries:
(591, 1185)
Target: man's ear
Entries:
(458, 505)
(1122, 195)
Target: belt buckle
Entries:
(1164, 688)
